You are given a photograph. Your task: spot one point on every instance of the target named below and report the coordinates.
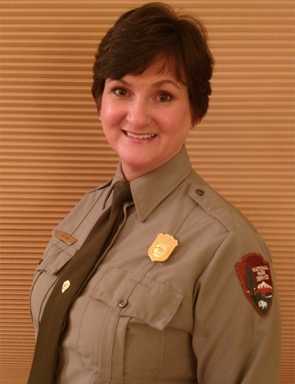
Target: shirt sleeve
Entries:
(233, 342)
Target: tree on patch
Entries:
(250, 280)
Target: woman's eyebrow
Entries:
(120, 80)
(154, 85)
(157, 84)
(165, 81)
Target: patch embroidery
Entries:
(255, 277)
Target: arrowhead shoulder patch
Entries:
(255, 277)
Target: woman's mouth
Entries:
(146, 136)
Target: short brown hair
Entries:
(142, 36)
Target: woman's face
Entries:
(145, 118)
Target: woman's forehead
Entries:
(166, 66)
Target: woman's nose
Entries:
(139, 114)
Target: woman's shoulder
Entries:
(85, 211)
(216, 205)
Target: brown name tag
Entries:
(68, 239)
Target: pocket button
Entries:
(123, 303)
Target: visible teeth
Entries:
(140, 136)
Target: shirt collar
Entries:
(151, 189)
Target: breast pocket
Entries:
(56, 256)
(128, 344)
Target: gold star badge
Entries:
(162, 247)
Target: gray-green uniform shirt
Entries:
(188, 319)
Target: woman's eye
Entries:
(120, 91)
(163, 97)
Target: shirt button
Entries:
(200, 192)
(123, 303)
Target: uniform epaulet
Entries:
(216, 205)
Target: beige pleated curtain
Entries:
(53, 149)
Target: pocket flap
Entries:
(139, 297)
(56, 256)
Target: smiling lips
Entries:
(150, 136)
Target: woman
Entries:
(184, 291)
